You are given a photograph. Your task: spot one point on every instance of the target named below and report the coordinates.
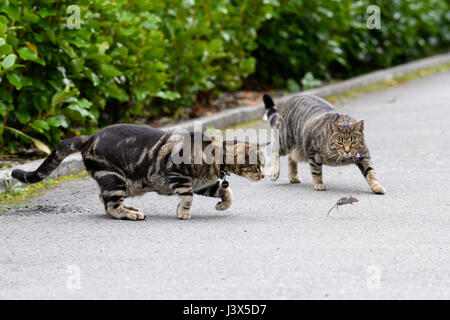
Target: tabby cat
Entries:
(128, 160)
(312, 130)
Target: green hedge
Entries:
(330, 39)
(133, 59)
(128, 59)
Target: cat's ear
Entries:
(359, 126)
(333, 126)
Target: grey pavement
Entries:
(275, 242)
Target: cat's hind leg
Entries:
(112, 193)
(366, 167)
(118, 210)
(293, 170)
(217, 190)
(316, 172)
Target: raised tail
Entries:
(271, 115)
(55, 158)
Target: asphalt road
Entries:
(275, 242)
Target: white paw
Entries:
(378, 189)
(295, 180)
(227, 200)
(274, 173)
(320, 187)
(135, 215)
(183, 214)
(223, 205)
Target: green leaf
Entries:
(14, 79)
(27, 54)
(9, 61)
(310, 82)
(98, 57)
(5, 49)
(93, 77)
(109, 70)
(293, 86)
(12, 10)
(85, 104)
(39, 144)
(141, 93)
(54, 121)
(168, 95)
(115, 92)
(58, 98)
(78, 64)
(45, 12)
(2, 109)
(3, 27)
(77, 113)
(102, 47)
(64, 121)
(40, 101)
(22, 115)
(40, 125)
(5, 95)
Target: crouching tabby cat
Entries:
(312, 130)
(128, 160)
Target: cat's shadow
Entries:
(332, 189)
(161, 217)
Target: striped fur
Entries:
(312, 130)
(128, 160)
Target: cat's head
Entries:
(248, 160)
(346, 138)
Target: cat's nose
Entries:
(262, 175)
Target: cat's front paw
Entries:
(227, 200)
(183, 214)
(378, 189)
(134, 215)
(223, 205)
(295, 179)
(122, 212)
(274, 173)
(320, 187)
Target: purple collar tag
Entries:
(357, 156)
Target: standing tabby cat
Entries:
(313, 131)
(128, 160)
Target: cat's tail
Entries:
(55, 158)
(271, 115)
